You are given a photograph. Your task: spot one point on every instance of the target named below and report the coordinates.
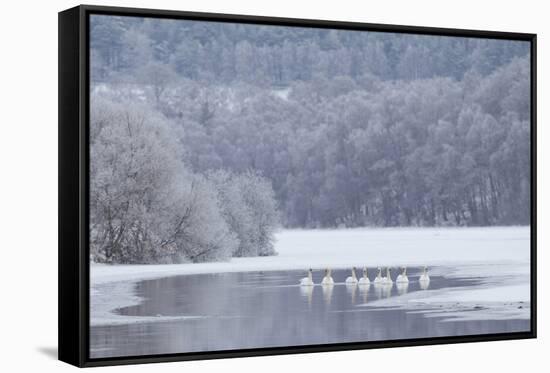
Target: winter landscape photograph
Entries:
(261, 186)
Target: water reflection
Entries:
(327, 293)
(307, 293)
(383, 290)
(386, 291)
(364, 291)
(351, 289)
(402, 288)
(251, 310)
(424, 285)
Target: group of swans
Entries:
(387, 280)
(379, 279)
(308, 281)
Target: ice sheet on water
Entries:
(504, 293)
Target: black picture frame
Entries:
(74, 181)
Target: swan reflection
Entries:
(364, 291)
(351, 288)
(307, 293)
(402, 288)
(327, 293)
(383, 290)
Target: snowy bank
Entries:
(302, 249)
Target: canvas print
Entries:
(262, 186)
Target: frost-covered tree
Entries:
(235, 211)
(260, 200)
(249, 207)
(131, 166)
(158, 76)
(145, 206)
(197, 231)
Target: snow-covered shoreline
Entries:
(476, 251)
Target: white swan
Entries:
(387, 280)
(379, 279)
(307, 281)
(327, 280)
(365, 279)
(424, 277)
(353, 278)
(402, 278)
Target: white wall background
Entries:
(28, 183)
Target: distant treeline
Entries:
(351, 129)
(273, 55)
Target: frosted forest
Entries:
(206, 138)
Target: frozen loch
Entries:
(479, 284)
